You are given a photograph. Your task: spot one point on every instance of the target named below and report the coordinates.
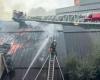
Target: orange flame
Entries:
(14, 47)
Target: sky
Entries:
(6, 6)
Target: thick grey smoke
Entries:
(28, 4)
(6, 6)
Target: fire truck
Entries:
(93, 17)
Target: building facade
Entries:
(83, 2)
(81, 7)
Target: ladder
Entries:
(51, 68)
(52, 59)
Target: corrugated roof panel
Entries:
(69, 41)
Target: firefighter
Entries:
(53, 48)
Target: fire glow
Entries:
(14, 47)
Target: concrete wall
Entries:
(79, 9)
(88, 1)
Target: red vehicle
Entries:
(94, 17)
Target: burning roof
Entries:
(25, 44)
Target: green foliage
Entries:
(83, 69)
(72, 65)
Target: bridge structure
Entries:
(75, 20)
(74, 15)
(68, 19)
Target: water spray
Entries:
(36, 56)
(51, 58)
(48, 34)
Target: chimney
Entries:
(77, 2)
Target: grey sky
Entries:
(28, 4)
